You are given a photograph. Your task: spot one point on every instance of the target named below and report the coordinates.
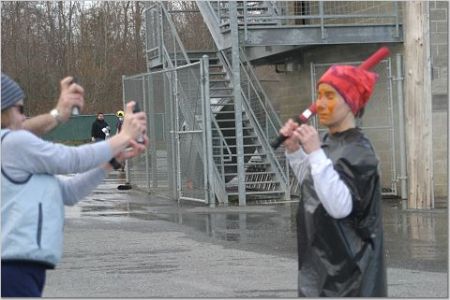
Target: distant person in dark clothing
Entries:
(99, 128)
(119, 115)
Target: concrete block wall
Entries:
(439, 88)
(440, 154)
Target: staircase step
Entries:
(232, 138)
(253, 182)
(217, 73)
(249, 164)
(228, 120)
(222, 104)
(251, 173)
(221, 96)
(220, 88)
(234, 128)
(219, 80)
(257, 193)
(245, 154)
(234, 146)
(220, 113)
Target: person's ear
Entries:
(360, 113)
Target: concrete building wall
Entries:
(439, 89)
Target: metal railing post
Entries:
(145, 108)
(245, 20)
(397, 26)
(177, 135)
(152, 130)
(392, 131)
(237, 102)
(204, 67)
(401, 128)
(321, 13)
(127, 164)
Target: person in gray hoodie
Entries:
(33, 195)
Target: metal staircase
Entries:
(265, 177)
(261, 179)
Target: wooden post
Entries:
(418, 106)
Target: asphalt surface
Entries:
(122, 244)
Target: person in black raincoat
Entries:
(340, 230)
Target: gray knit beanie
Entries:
(11, 92)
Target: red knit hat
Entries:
(354, 84)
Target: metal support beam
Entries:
(237, 102)
(151, 129)
(304, 36)
(209, 162)
(401, 127)
(127, 164)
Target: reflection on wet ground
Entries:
(413, 239)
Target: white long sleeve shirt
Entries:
(331, 190)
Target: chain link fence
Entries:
(174, 164)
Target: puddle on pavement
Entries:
(411, 237)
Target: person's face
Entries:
(100, 117)
(15, 116)
(331, 107)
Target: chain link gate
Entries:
(377, 122)
(175, 163)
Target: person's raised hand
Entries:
(134, 124)
(309, 138)
(292, 143)
(133, 150)
(72, 94)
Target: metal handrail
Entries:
(222, 137)
(174, 31)
(279, 17)
(276, 122)
(263, 137)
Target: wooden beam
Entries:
(418, 105)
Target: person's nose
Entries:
(320, 102)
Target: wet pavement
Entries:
(131, 244)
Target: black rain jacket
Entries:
(96, 129)
(343, 257)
